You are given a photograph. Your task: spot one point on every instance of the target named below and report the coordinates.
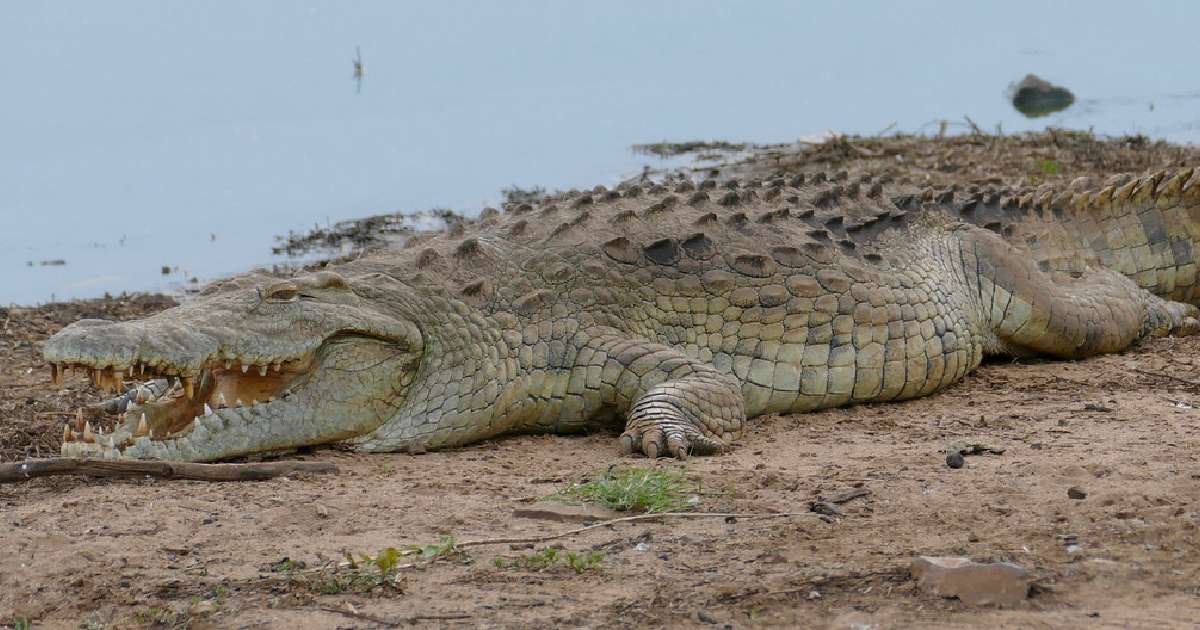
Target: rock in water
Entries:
(973, 583)
(1034, 97)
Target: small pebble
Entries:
(1077, 493)
(954, 459)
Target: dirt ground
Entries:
(130, 553)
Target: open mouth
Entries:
(164, 411)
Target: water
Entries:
(138, 135)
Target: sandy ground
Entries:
(102, 553)
(1125, 428)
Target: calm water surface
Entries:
(137, 135)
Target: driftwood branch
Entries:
(353, 613)
(1168, 376)
(728, 516)
(256, 471)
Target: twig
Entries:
(751, 516)
(1072, 381)
(349, 611)
(256, 471)
(1167, 376)
(974, 128)
(849, 495)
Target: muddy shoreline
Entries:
(1125, 428)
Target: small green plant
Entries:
(158, 617)
(633, 490)
(444, 549)
(366, 573)
(549, 557)
(286, 565)
(1048, 167)
(22, 624)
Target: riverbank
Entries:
(1119, 431)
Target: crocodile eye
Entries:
(283, 292)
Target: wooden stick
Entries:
(752, 516)
(257, 471)
(1167, 376)
(351, 612)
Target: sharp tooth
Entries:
(262, 370)
(207, 410)
(143, 428)
(79, 424)
(68, 434)
(228, 364)
(119, 380)
(189, 386)
(238, 403)
(245, 368)
(275, 366)
(88, 436)
(221, 404)
(55, 375)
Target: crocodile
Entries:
(673, 309)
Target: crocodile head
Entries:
(251, 366)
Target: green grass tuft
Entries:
(1049, 167)
(633, 490)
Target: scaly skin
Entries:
(680, 309)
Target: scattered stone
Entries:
(955, 459)
(1035, 97)
(825, 507)
(980, 449)
(203, 607)
(566, 513)
(321, 510)
(973, 583)
(1077, 493)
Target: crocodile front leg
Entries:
(674, 404)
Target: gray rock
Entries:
(973, 583)
(1035, 97)
(1077, 493)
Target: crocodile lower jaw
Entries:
(169, 416)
